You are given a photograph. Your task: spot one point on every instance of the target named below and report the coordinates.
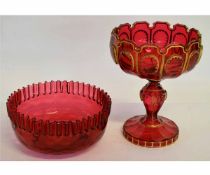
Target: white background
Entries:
(77, 48)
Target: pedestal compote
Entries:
(154, 53)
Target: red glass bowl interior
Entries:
(59, 117)
(155, 52)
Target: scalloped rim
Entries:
(59, 128)
(131, 26)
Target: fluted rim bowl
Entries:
(155, 52)
(59, 116)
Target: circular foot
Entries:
(160, 134)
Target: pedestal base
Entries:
(160, 134)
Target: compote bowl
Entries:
(154, 53)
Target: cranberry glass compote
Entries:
(154, 53)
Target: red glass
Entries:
(154, 53)
(59, 116)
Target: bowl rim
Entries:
(163, 50)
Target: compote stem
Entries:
(153, 96)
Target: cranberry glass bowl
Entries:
(59, 116)
(154, 53)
